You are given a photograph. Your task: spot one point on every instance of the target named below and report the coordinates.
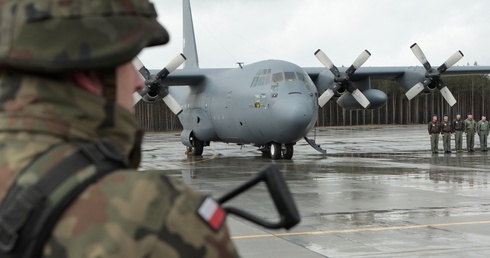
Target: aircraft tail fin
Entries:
(190, 48)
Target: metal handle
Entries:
(280, 194)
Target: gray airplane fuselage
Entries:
(272, 101)
(273, 104)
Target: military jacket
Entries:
(446, 127)
(483, 127)
(434, 127)
(128, 213)
(470, 125)
(458, 125)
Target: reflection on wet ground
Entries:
(379, 192)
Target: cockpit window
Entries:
(290, 76)
(262, 78)
(306, 80)
(278, 77)
(301, 76)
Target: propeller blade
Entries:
(361, 59)
(138, 95)
(415, 90)
(448, 96)
(417, 51)
(172, 66)
(451, 61)
(172, 104)
(325, 97)
(323, 58)
(359, 96)
(138, 66)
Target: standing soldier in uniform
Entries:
(434, 132)
(458, 129)
(483, 129)
(470, 129)
(447, 129)
(66, 85)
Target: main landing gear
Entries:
(277, 150)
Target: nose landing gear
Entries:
(277, 150)
(287, 151)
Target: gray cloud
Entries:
(250, 31)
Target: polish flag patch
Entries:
(212, 213)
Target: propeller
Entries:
(341, 81)
(433, 76)
(153, 83)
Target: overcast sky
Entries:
(230, 31)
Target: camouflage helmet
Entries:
(53, 36)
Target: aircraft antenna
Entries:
(219, 41)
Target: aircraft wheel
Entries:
(198, 147)
(275, 150)
(288, 151)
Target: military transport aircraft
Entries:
(273, 104)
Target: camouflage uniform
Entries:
(126, 213)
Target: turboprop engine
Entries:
(377, 99)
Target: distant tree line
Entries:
(156, 117)
(471, 92)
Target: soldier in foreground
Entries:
(458, 129)
(434, 132)
(470, 129)
(446, 130)
(483, 129)
(69, 140)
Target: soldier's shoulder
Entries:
(140, 213)
(159, 181)
(128, 195)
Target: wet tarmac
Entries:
(379, 192)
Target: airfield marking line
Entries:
(354, 230)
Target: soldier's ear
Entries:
(88, 81)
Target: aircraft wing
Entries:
(187, 77)
(414, 79)
(394, 72)
(375, 73)
(467, 70)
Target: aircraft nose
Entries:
(293, 119)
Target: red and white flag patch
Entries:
(212, 213)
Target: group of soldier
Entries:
(457, 128)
